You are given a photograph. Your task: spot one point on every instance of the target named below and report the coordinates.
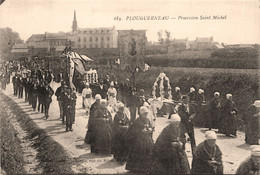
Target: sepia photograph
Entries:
(130, 87)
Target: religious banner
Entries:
(132, 49)
(72, 68)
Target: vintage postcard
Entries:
(130, 87)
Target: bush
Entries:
(245, 53)
(238, 63)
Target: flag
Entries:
(146, 67)
(79, 66)
(71, 73)
(117, 61)
(79, 62)
(86, 58)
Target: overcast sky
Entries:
(242, 25)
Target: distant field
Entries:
(180, 70)
(243, 58)
(231, 63)
(184, 54)
(253, 72)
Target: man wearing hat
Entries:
(67, 99)
(20, 86)
(251, 166)
(34, 94)
(86, 98)
(47, 98)
(169, 155)
(58, 94)
(41, 88)
(15, 86)
(252, 124)
(111, 95)
(207, 158)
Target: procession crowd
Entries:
(128, 134)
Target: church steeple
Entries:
(74, 24)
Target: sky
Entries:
(241, 25)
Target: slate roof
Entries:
(55, 36)
(19, 46)
(60, 48)
(96, 30)
(179, 41)
(204, 40)
(44, 44)
(19, 50)
(36, 38)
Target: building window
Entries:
(85, 46)
(107, 45)
(102, 31)
(90, 31)
(90, 39)
(78, 39)
(85, 39)
(108, 38)
(96, 38)
(79, 46)
(96, 46)
(102, 39)
(85, 31)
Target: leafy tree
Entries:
(167, 39)
(8, 39)
(1, 1)
(160, 36)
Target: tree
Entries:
(167, 39)
(1, 1)
(8, 39)
(160, 37)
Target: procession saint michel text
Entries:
(165, 18)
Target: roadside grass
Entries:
(53, 158)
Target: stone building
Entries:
(19, 50)
(102, 37)
(47, 40)
(202, 43)
(179, 44)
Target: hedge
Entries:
(237, 63)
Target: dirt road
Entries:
(234, 149)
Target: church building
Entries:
(102, 37)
